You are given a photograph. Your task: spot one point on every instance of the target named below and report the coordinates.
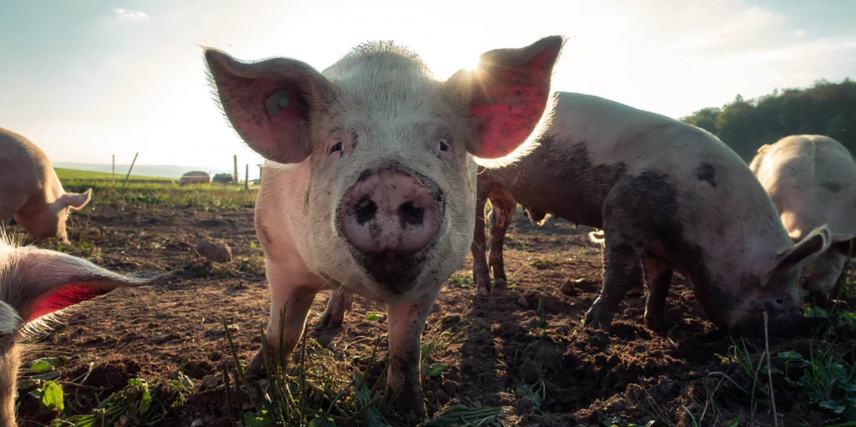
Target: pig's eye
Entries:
(443, 145)
(337, 147)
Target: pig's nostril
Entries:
(410, 214)
(365, 210)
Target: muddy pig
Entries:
(673, 197)
(30, 191)
(35, 283)
(812, 180)
(370, 182)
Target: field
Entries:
(173, 354)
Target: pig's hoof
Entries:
(410, 404)
(330, 320)
(597, 318)
(256, 369)
(656, 324)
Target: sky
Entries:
(87, 79)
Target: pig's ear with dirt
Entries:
(506, 95)
(76, 201)
(270, 102)
(44, 281)
(813, 244)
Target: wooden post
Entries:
(247, 177)
(235, 175)
(113, 174)
(260, 174)
(133, 162)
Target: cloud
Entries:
(130, 15)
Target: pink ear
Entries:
(77, 201)
(60, 298)
(508, 94)
(269, 102)
(37, 282)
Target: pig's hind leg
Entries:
(339, 303)
(502, 213)
(627, 232)
(481, 273)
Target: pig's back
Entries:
(594, 142)
(812, 180)
(22, 165)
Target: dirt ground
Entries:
(520, 348)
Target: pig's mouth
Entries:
(396, 271)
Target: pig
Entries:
(812, 181)
(668, 195)
(35, 283)
(369, 180)
(30, 191)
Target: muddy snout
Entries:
(388, 216)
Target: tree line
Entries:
(825, 108)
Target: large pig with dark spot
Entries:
(30, 191)
(669, 195)
(812, 180)
(370, 182)
(35, 283)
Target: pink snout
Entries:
(389, 212)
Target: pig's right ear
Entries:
(814, 243)
(44, 281)
(269, 103)
(506, 95)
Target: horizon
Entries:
(97, 78)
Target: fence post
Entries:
(133, 162)
(247, 177)
(113, 173)
(235, 176)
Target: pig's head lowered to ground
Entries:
(35, 283)
(370, 183)
(812, 180)
(30, 191)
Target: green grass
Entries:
(142, 191)
(82, 175)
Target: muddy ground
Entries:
(521, 348)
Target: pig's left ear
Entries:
(43, 282)
(77, 201)
(814, 243)
(506, 94)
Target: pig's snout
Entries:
(389, 211)
(388, 216)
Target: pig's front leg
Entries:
(658, 277)
(406, 323)
(333, 316)
(291, 296)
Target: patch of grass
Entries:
(827, 379)
(136, 404)
(462, 280)
(169, 194)
(315, 388)
(81, 175)
(545, 264)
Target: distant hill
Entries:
(159, 171)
